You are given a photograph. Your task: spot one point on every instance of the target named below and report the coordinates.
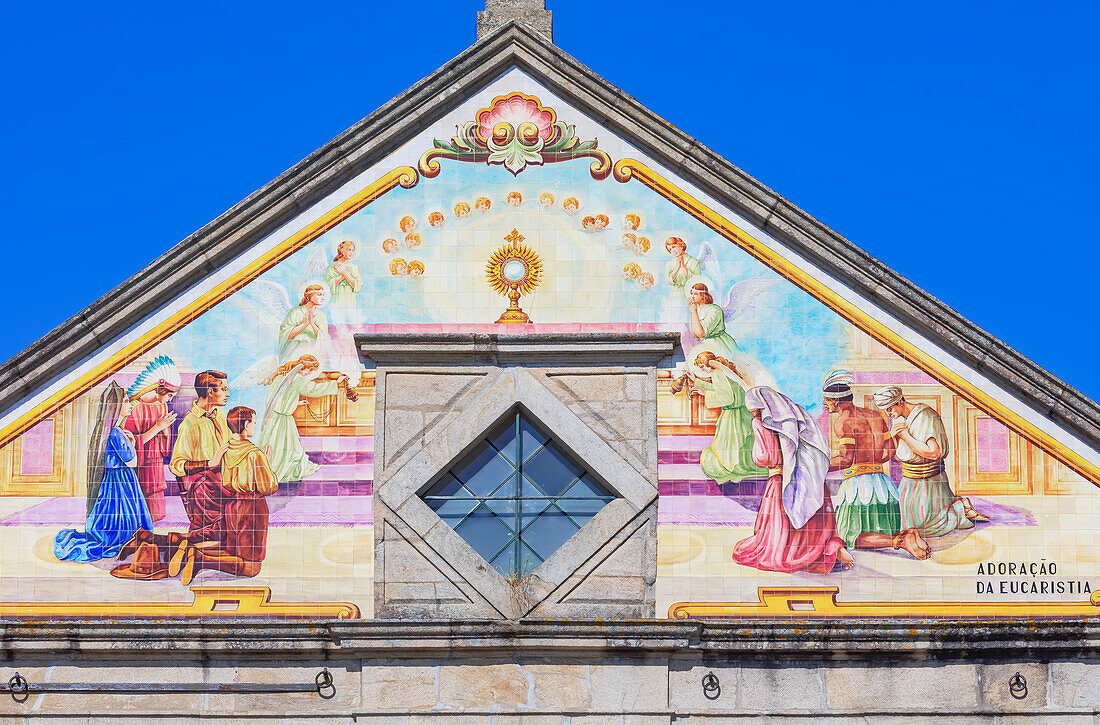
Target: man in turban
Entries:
(927, 502)
(868, 514)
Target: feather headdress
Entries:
(162, 372)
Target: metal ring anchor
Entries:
(1017, 686)
(17, 686)
(325, 686)
(712, 688)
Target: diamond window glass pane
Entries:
(505, 509)
(452, 510)
(508, 490)
(548, 532)
(529, 438)
(484, 471)
(448, 486)
(581, 510)
(504, 440)
(505, 563)
(530, 510)
(484, 531)
(551, 471)
(588, 487)
(528, 561)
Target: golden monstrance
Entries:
(514, 270)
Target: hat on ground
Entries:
(146, 565)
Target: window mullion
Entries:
(516, 496)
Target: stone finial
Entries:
(533, 13)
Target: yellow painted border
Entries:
(209, 602)
(801, 603)
(627, 169)
(404, 176)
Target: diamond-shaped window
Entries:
(517, 496)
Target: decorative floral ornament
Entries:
(514, 131)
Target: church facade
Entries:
(514, 402)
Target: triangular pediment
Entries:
(514, 142)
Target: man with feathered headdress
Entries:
(150, 423)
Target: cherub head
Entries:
(571, 205)
(642, 245)
(398, 267)
(435, 219)
(462, 210)
(416, 268)
(630, 241)
(675, 246)
(589, 223)
(546, 199)
(407, 224)
(645, 280)
(632, 222)
(482, 204)
(602, 221)
(412, 240)
(631, 270)
(514, 198)
(389, 246)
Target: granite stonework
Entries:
(572, 672)
(437, 396)
(532, 13)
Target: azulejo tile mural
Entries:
(814, 460)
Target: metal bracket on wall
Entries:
(20, 689)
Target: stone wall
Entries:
(562, 672)
(438, 396)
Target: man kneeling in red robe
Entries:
(246, 479)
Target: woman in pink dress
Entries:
(795, 528)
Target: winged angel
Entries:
(709, 322)
(295, 330)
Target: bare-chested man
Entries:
(868, 511)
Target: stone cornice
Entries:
(639, 348)
(894, 640)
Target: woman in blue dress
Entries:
(117, 506)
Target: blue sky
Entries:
(956, 142)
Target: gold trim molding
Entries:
(209, 603)
(803, 603)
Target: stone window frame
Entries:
(514, 386)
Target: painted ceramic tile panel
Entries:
(812, 461)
